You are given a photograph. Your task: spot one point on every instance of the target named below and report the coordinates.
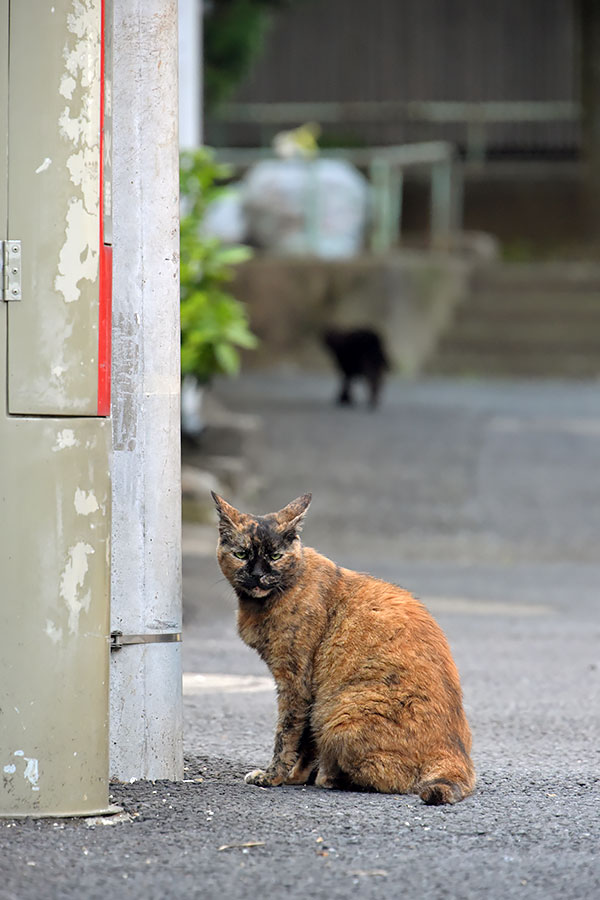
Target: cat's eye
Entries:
(276, 555)
(240, 554)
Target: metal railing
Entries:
(385, 167)
(475, 117)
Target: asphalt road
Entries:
(484, 500)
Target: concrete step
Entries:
(516, 345)
(522, 331)
(523, 319)
(543, 365)
(496, 303)
(222, 457)
(538, 277)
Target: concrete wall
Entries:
(409, 297)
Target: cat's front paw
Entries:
(262, 779)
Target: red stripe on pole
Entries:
(104, 330)
(105, 266)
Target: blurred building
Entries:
(501, 79)
(437, 52)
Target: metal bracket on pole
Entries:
(119, 640)
(10, 270)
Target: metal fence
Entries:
(475, 121)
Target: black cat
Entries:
(358, 353)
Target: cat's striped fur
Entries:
(368, 693)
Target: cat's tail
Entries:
(442, 790)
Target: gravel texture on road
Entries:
(482, 499)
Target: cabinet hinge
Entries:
(10, 270)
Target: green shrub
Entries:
(213, 322)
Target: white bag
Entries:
(299, 207)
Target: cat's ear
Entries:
(290, 518)
(229, 517)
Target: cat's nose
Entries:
(258, 570)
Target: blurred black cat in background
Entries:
(358, 353)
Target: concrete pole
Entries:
(588, 18)
(190, 73)
(146, 700)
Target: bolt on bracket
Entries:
(118, 640)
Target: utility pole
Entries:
(190, 73)
(145, 691)
(588, 16)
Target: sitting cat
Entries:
(358, 353)
(368, 693)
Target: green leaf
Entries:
(233, 256)
(227, 357)
(213, 322)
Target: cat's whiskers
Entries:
(222, 580)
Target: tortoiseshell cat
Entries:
(368, 693)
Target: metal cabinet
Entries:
(54, 399)
(54, 207)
